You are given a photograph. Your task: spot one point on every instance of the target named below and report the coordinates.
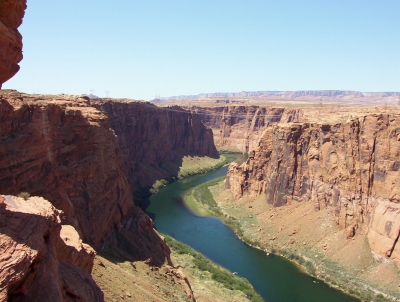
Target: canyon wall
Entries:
(11, 14)
(40, 259)
(351, 165)
(238, 128)
(88, 160)
(150, 137)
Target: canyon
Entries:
(94, 159)
(73, 171)
(322, 188)
(320, 183)
(238, 128)
(351, 165)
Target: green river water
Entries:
(273, 277)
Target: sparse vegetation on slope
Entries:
(310, 239)
(201, 201)
(192, 165)
(198, 165)
(210, 199)
(216, 273)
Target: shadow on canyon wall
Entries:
(92, 159)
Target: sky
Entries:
(141, 49)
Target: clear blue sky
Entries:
(143, 48)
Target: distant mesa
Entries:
(91, 96)
(344, 96)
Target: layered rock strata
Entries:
(352, 166)
(238, 128)
(87, 160)
(11, 14)
(37, 263)
(149, 137)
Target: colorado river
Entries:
(273, 277)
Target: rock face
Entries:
(71, 249)
(238, 128)
(65, 151)
(36, 263)
(87, 160)
(149, 137)
(11, 14)
(353, 166)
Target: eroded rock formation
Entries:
(11, 14)
(351, 165)
(238, 128)
(149, 137)
(37, 264)
(87, 160)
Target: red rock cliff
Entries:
(39, 260)
(353, 166)
(87, 161)
(238, 128)
(149, 136)
(11, 14)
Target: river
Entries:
(273, 277)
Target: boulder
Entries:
(31, 269)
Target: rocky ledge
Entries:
(40, 259)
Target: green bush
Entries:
(158, 185)
(310, 268)
(380, 298)
(24, 195)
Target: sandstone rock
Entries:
(139, 237)
(11, 14)
(62, 150)
(352, 166)
(383, 234)
(149, 136)
(89, 159)
(71, 249)
(238, 128)
(188, 288)
(31, 270)
(350, 232)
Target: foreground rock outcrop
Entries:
(11, 14)
(350, 163)
(37, 263)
